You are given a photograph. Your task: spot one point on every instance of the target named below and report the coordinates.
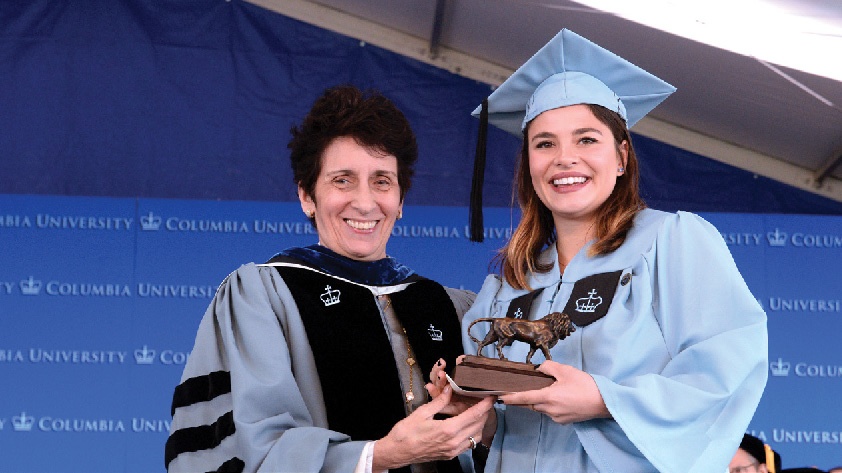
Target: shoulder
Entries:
(251, 280)
(651, 225)
(690, 229)
(461, 297)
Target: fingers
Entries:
(473, 418)
(435, 406)
(437, 378)
(523, 398)
(552, 368)
(438, 368)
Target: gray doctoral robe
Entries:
(253, 330)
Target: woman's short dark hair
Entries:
(371, 119)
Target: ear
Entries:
(308, 205)
(623, 155)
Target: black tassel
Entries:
(475, 209)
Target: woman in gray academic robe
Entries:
(315, 361)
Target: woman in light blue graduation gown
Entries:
(667, 362)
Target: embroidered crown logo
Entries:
(144, 356)
(435, 335)
(30, 287)
(150, 222)
(776, 238)
(588, 304)
(330, 297)
(23, 423)
(779, 367)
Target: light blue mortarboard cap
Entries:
(569, 70)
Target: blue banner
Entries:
(100, 299)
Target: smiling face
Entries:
(574, 162)
(356, 200)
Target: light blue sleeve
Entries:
(690, 417)
(483, 306)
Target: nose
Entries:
(364, 200)
(565, 157)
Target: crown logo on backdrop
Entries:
(150, 222)
(23, 422)
(776, 238)
(588, 304)
(144, 356)
(779, 368)
(30, 287)
(330, 297)
(435, 335)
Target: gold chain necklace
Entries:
(409, 396)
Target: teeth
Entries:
(361, 225)
(564, 181)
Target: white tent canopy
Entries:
(773, 107)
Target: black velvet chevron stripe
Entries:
(234, 465)
(203, 437)
(201, 389)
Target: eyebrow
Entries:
(576, 132)
(379, 172)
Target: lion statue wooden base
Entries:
(488, 374)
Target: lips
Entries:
(567, 181)
(361, 225)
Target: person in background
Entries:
(753, 456)
(311, 362)
(668, 361)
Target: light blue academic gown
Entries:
(680, 357)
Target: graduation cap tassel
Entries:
(475, 209)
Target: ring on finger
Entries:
(473, 442)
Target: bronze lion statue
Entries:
(540, 334)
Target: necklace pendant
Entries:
(409, 396)
(410, 361)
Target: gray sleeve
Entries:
(252, 333)
(462, 299)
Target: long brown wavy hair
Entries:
(536, 230)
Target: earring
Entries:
(621, 169)
(400, 214)
(310, 214)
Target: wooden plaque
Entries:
(490, 374)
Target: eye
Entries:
(544, 144)
(586, 140)
(341, 182)
(382, 183)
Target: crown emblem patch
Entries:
(330, 297)
(435, 335)
(591, 297)
(590, 303)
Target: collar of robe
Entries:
(383, 272)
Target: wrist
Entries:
(382, 456)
